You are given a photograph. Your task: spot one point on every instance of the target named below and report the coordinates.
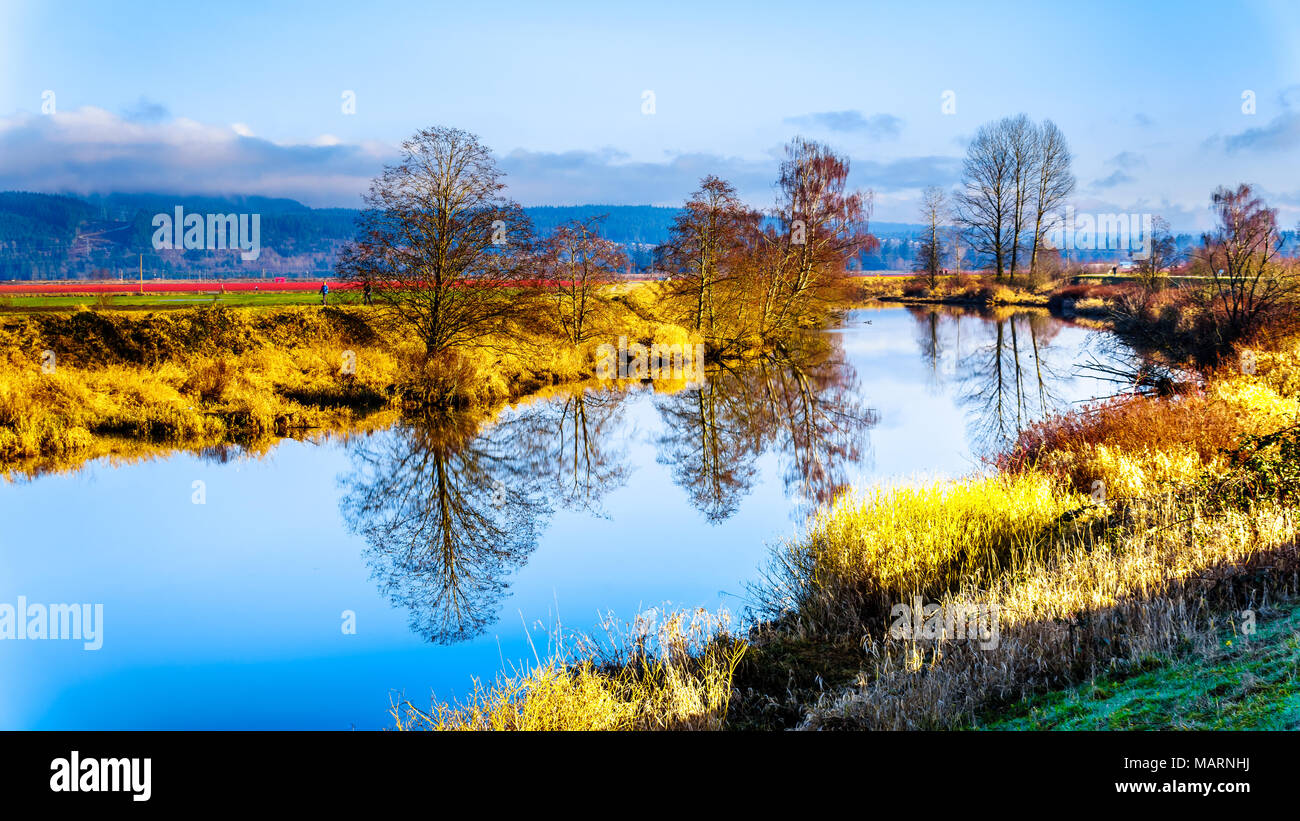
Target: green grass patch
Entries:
(1247, 682)
(174, 300)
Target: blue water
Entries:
(230, 613)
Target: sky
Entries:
(633, 103)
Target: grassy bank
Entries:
(1109, 544)
(171, 300)
(99, 382)
(1089, 300)
(674, 675)
(1232, 680)
(1151, 543)
(967, 290)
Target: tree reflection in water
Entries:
(802, 401)
(451, 506)
(1007, 373)
(448, 513)
(573, 444)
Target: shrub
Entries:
(1104, 294)
(1161, 440)
(210, 379)
(1260, 469)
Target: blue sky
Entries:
(247, 97)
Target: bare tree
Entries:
(580, 265)
(1053, 182)
(934, 212)
(1022, 143)
(1015, 174)
(1162, 256)
(987, 201)
(440, 245)
(956, 241)
(704, 250)
(822, 225)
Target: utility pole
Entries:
(142, 275)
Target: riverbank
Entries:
(89, 383)
(1106, 542)
(1094, 300)
(1137, 543)
(1088, 581)
(1233, 680)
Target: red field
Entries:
(161, 286)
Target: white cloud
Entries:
(90, 150)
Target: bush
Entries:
(210, 380)
(1260, 469)
(1087, 291)
(1134, 444)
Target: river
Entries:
(310, 586)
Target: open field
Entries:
(166, 295)
(160, 295)
(151, 301)
(157, 286)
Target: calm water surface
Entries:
(457, 543)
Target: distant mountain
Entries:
(897, 229)
(629, 224)
(49, 236)
(46, 236)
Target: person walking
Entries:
(324, 293)
(366, 294)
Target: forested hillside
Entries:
(49, 236)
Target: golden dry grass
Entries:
(1144, 573)
(1160, 586)
(876, 547)
(206, 376)
(1138, 447)
(679, 678)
